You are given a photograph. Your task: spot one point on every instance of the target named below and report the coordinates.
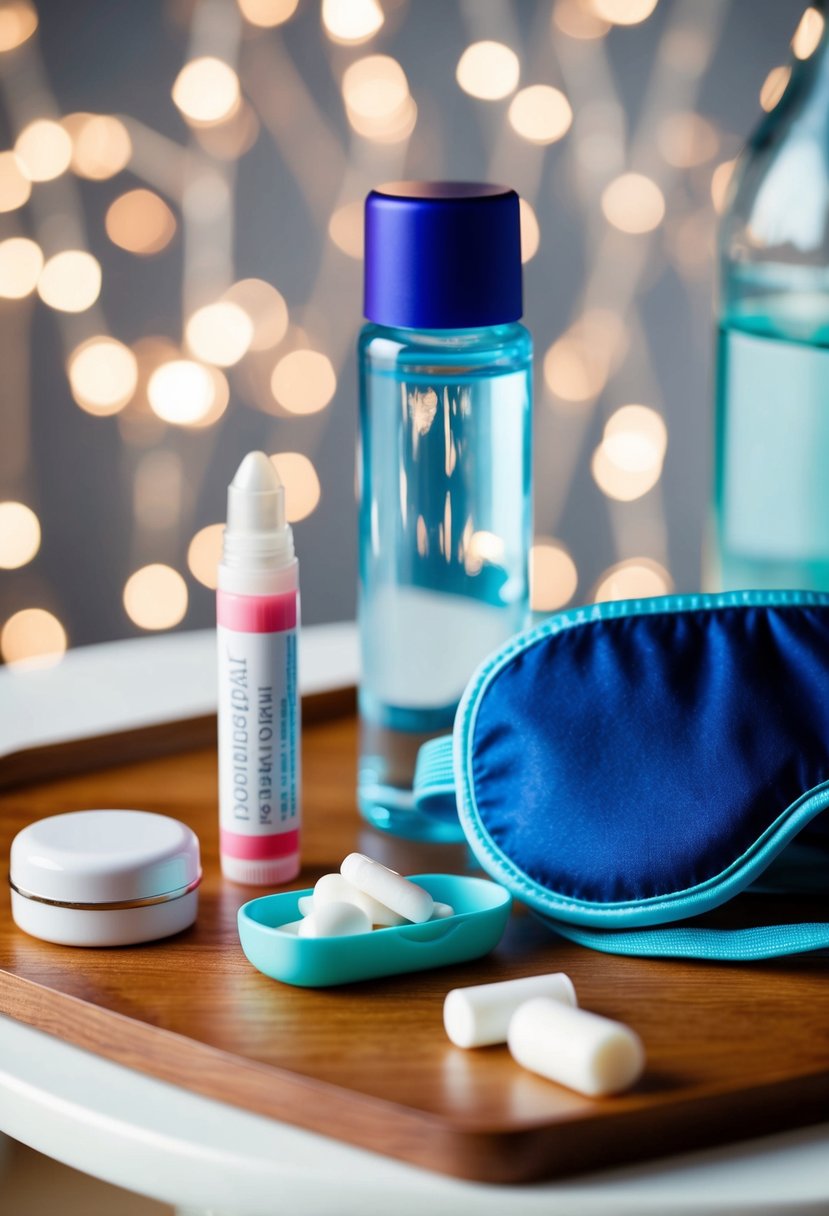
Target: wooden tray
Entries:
(733, 1051)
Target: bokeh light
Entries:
(303, 381)
(530, 231)
(345, 228)
(21, 262)
(377, 99)
(302, 485)
(720, 182)
(577, 365)
(15, 187)
(18, 21)
(33, 638)
(623, 12)
(633, 579)
(101, 145)
(70, 281)
(633, 203)
(553, 575)
(628, 461)
(808, 33)
(103, 375)
(19, 535)
(219, 333)
(232, 138)
(155, 597)
(182, 392)
(623, 485)
(540, 114)
(43, 150)
(488, 70)
(267, 13)
(206, 90)
(204, 553)
(575, 19)
(351, 22)
(266, 308)
(481, 549)
(686, 140)
(774, 86)
(140, 222)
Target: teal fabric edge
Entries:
(660, 909)
(722, 945)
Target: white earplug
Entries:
(335, 920)
(480, 1015)
(388, 887)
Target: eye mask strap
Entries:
(434, 779)
(728, 945)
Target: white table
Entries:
(198, 1154)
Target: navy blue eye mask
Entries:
(625, 767)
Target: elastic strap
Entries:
(730, 945)
(434, 779)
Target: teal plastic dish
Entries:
(481, 912)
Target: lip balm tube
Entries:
(480, 1015)
(259, 714)
(581, 1050)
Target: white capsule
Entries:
(388, 887)
(441, 911)
(333, 888)
(305, 903)
(480, 1015)
(581, 1050)
(335, 920)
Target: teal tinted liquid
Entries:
(772, 469)
(445, 527)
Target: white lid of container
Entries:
(104, 857)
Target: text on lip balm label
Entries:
(258, 728)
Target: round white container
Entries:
(104, 878)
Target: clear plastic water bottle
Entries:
(444, 471)
(772, 428)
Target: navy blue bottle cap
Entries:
(442, 255)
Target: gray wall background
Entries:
(115, 56)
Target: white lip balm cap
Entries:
(581, 1050)
(388, 887)
(480, 1015)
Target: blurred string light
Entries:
(808, 33)
(577, 20)
(530, 231)
(303, 381)
(690, 244)
(140, 222)
(267, 13)
(302, 485)
(540, 114)
(101, 145)
(232, 138)
(157, 490)
(21, 262)
(266, 309)
(206, 90)
(623, 12)
(43, 150)
(480, 548)
(628, 461)
(377, 100)
(15, 187)
(633, 203)
(634, 578)
(70, 281)
(553, 575)
(345, 228)
(204, 553)
(578, 364)
(103, 375)
(774, 86)
(182, 392)
(720, 182)
(219, 333)
(19, 535)
(155, 597)
(686, 140)
(33, 638)
(488, 70)
(18, 21)
(351, 22)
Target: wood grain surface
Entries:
(733, 1050)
